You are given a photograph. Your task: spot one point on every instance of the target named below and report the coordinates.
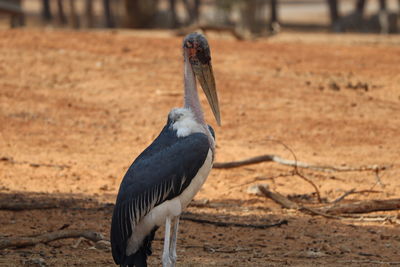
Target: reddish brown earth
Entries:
(93, 100)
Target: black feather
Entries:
(211, 131)
(139, 259)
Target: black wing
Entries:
(160, 173)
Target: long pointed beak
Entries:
(205, 76)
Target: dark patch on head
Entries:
(197, 47)
(204, 55)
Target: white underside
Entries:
(170, 208)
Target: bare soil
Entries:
(77, 107)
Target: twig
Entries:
(48, 237)
(189, 217)
(297, 172)
(35, 165)
(343, 196)
(263, 179)
(78, 242)
(352, 191)
(310, 182)
(224, 250)
(293, 163)
(210, 249)
(378, 178)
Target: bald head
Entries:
(197, 48)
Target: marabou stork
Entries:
(165, 177)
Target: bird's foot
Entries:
(166, 261)
(172, 258)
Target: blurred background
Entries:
(81, 97)
(243, 18)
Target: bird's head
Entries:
(197, 51)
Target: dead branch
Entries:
(364, 206)
(34, 165)
(239, 163)
(188, 216)
(295, 163)
(363, 218)
(369, 216)
(278, 198)
(288, 204)
(48, 237)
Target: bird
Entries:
(166, 176)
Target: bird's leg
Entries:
(166, 261)
(174, 238)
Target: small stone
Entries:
(35, 262)
(253, 189)
(334, 86)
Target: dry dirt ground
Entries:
(77, 107)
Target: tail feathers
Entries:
(139, 258)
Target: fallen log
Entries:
(364, 206)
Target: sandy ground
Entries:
(77, 107)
